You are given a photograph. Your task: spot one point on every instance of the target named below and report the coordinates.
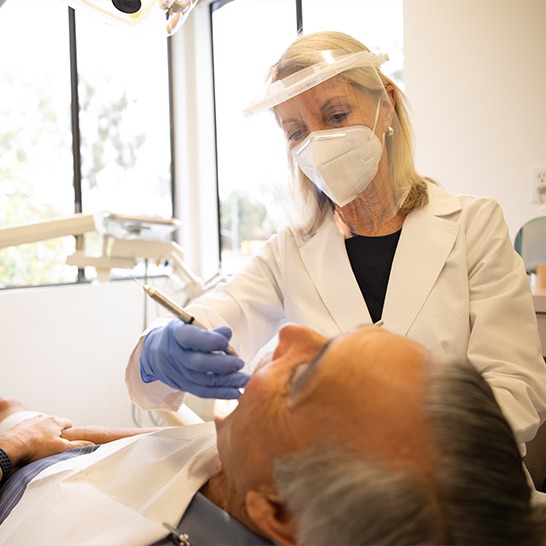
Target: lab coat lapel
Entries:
(426, 241)
(328, 265)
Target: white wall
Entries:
(475, 74)
(64, 349)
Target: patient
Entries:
(363, 439)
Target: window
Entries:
(251, 157)
(123, 126)
(35, 136)
(124, 119)
(248, 36)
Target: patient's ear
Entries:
(270, 516)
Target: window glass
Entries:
(124, 130)
(124, 118)
(378, 24)
(36, 177)
(248, 36)
(124, 123)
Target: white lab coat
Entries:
(456, 285)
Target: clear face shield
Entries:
(337, 119)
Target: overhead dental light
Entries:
(133, 13)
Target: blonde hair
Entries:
(310, 203)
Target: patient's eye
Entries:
(297, 375)
(302, 373)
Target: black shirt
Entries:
(371, 259)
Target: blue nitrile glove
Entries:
(190, 359)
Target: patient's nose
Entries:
(295, 337)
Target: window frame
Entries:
(198, 207)
(75, 108)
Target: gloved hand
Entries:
(190, 359)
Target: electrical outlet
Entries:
(537, 181)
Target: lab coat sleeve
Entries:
(251, 304)
(504, 343)
(155, 395)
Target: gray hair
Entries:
(478, 493)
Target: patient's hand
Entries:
(103, 435)
(36, 438)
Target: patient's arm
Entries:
(44, 435)
(36, 438)
(103, 435)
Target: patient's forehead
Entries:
(368, 391)
(370, 356)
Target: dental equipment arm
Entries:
(77, 224)
(126, 241)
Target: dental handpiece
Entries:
(177, 311)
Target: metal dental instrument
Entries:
(182, 538)
(178, 312)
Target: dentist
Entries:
(370, 239)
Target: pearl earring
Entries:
(390, 131)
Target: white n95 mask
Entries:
(341, 162)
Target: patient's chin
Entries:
(222, 408)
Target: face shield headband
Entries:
(334, 62)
